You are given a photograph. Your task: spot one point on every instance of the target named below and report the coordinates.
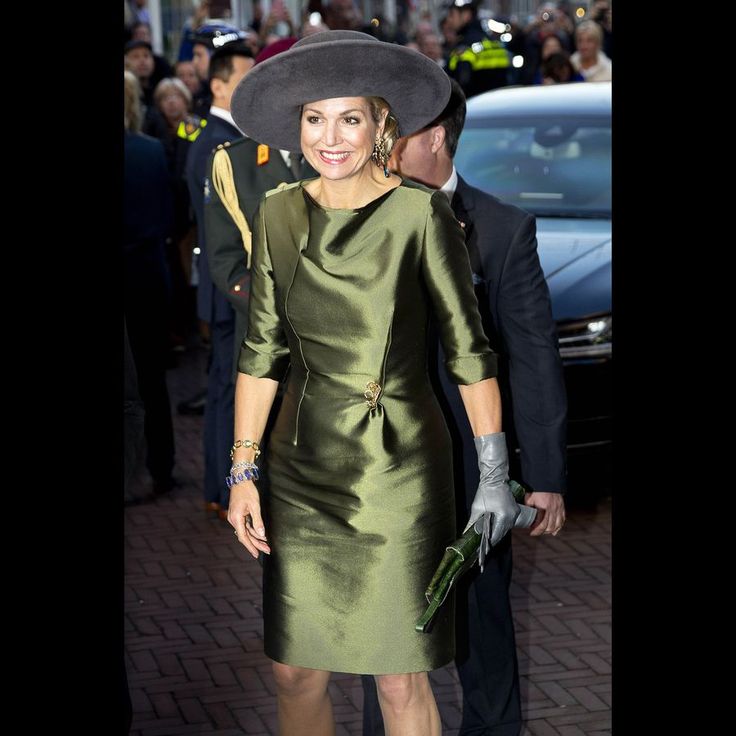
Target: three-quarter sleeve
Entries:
(447, 273)
(264, 352)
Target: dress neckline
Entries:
(345, 210)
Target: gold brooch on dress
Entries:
(371, 393)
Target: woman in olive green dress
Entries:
(347, 270)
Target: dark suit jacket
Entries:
(212, 306)
(147, 220)
(515, 306)
(227, 258)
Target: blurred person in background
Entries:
(429, 44)
(139, 11)
(589, 59)
(128, 21)
(547, 21)
(477, 62)
(342, 15)
(184, 70)
(161, 68)
(181, 128)
(227, 66)
(252, 41)
(557, 69)
(200, 15)
(147, 214)
(138, 59)
(600, 12)
(278, 24)
(449, 35)
(551, 45)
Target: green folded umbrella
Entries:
(459, 557)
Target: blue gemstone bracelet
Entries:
(249, 472)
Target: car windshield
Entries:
(549, 166)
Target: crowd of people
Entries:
(176, 100)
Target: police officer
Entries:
(205, 41)
(478, 62)
(190, 127)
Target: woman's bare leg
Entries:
(408, 705)
(304, 705)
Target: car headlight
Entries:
(589, 337)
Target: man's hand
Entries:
(553, 506)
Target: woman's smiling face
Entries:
(337, 135)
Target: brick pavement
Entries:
(192, 608)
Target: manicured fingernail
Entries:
(261, 530)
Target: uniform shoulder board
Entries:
(282, 187)
(232, 145)
(239, 141)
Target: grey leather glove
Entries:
(494, 510)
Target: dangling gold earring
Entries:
(379, 155)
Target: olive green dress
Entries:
(360, 504)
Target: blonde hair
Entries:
(172, 84)
(391, 126)
(132, 102)
(591, 28)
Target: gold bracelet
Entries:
(245, 443)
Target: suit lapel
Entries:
(463, 205)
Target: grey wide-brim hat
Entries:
(266, 103)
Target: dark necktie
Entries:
(295, 164)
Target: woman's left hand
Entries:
(244, 514)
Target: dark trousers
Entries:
(145, 315)
(219, 413)
(486, 654)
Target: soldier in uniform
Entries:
(253, 169)
(478, 62)
(240, 172)
(227, 67)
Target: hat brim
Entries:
(266, 103)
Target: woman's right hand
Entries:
(244, 514)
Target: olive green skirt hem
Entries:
(318, 663)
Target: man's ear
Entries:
(438, 138)
(215, 86)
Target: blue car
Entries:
(547, 149)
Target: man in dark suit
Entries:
(147, 219)
(515, 307)
(228, 65)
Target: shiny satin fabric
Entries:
(361, 504)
